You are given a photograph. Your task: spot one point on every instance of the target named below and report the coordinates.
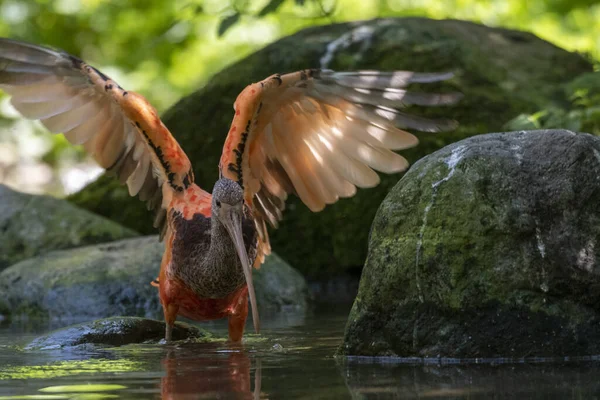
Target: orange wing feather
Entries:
(319, 134)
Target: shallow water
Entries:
(291, 359)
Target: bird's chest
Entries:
(206, 260)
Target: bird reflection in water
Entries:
(213, 375)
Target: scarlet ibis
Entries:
(315, 133)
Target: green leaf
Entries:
(300, 2)
(272, 6)
(227, 23)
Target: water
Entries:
(291, 359)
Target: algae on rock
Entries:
(502, 73)
(32, 225)
(486, 248)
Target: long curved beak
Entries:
(232, 220)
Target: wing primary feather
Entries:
(70, 119)
(110, 149)
(137, 179)
(383, 80)
(50, 89)
(306, 162)
(15, 66)
(84, 132)
(389, 97)
(20, 78)
(350, 169)
(149, 188)
(390, 116)
(28, 53)
(47, 109)
(286, 154)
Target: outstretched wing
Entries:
(120, 129)
(319, 134)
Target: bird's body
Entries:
(201, 275)
(313, 133)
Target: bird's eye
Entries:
(218, 203)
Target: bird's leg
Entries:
(170, 311)
(169, 333)
(237, 320)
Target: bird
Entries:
(315, 133)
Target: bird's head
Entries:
(228, 208)
(227, 192)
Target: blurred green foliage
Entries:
(580, 114)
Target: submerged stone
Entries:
(114, 279)
(116, 331)
(502, 73)
(486, 248)
(31, 225)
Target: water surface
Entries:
(291, 359)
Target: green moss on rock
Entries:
(486, 248)
(31, 225)
(502, 73)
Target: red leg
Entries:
(237, 320)
(164, 289)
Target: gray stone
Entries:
(502, 73)
(31, 225)
(114, 279)
(486, 248)
(115, 331)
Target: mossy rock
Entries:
(486, 248)
(31, 225)
(502, 73)
(116, 331)
(114, 279)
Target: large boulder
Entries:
(31, 225)
(502, 73)
(486, 248)
(114, 279)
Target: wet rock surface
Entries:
(486, 248)
(114, 279)
(116, 331)
(32, 225)
(503, 73)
